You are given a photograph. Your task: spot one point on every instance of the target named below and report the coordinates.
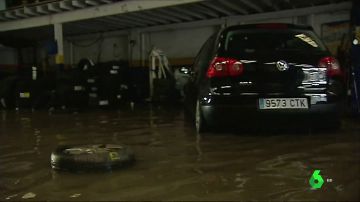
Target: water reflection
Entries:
(173, 161)
(37, 141)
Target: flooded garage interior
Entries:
(188, 90)
(173, 162)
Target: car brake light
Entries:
(222, 67)
(332, 65)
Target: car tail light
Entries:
(332, 65)
(222, 67)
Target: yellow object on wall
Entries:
(59, 59)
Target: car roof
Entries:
(269, 26)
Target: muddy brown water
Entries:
(173, 162)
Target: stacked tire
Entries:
(113, 84)
(92, 90)
(71, 89)
(105, 85)
(33, 90)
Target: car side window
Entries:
(203, 58)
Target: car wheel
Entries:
(91, 157)
(200, 123)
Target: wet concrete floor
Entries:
(173, 162)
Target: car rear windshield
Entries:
(263, 41)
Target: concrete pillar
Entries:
(134, 48)
(58, 36)
(143, 55)
(71, 53)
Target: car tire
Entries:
(91, 157)
(200, 123)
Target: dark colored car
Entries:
(252, 73)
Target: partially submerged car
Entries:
(255, 72)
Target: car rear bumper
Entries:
(249, 114)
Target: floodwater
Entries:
(173, 162)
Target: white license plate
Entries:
(91, 80)
(283, 103)
(78, 88)
(114, 72)
(93, 95)
(104, 102)
(25, 95)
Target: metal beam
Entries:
(119, 22)
(158, 14)
(106, 1)
(139, 19)
(54, 7)
(252, 5)
(176, 15)
(42, 9)
(204, 10)
(91, 12)
(143, 16)
(78, 4)
(119, 19)
(218, 8)
(188, 12)
(10, 15)
(92, 2)
(30, 11)
(66, 5)
(234, 6)
(20, 13)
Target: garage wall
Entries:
(96, 48)
(181, 45)
(184, 43)
(8, 55)
(320, 19)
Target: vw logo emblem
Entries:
(282, 65)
